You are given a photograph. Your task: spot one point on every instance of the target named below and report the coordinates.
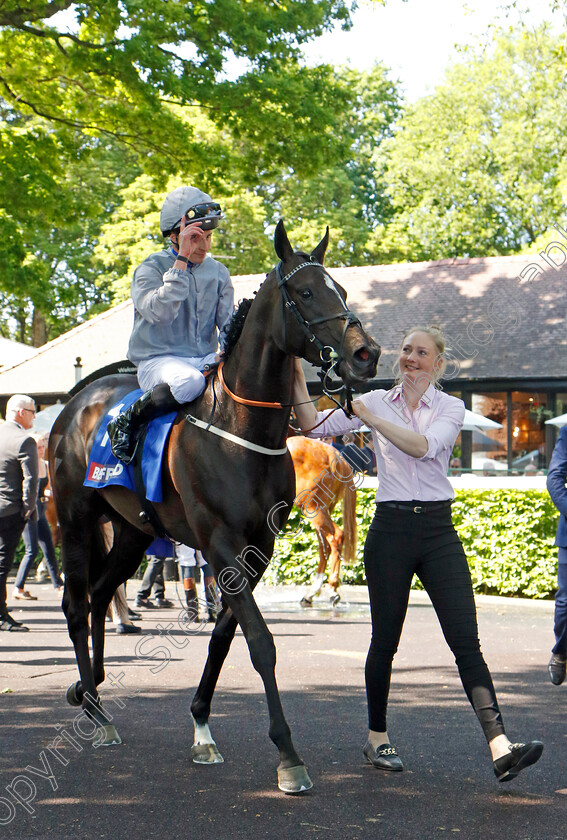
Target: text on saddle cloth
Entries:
(105, 470)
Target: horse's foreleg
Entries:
(204, 749)
(292, 773)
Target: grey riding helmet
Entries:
(192, 203)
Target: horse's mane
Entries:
(235, 326)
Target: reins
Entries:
(334, 358)
(330, 358)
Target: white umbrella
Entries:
(558, 421)
(477, 421)
(472, 422)
(45, 419)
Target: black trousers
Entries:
(401, 543)
(153, 576)
(11, 528)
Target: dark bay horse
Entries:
(228, 486)
(322, 479)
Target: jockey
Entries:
(182, 302)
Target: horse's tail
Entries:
(349, 521)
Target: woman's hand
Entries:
(362, 412)
(410, 442)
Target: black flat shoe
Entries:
(144, 602)
(557, 669)
(11, 625)
(124, 629)
(520, 756)
(385, 757)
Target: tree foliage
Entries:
(95, 94)
(55, 188)
(349, 196)
(477, 168)
(111, 67)
(98, 123)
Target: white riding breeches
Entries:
(183, 375)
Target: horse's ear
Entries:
(281, 242)
(319, 251)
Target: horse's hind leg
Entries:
(321, 529)
(119, 563)
(335, 541)
(79, 549)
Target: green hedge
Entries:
(508, 536)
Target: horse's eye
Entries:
(306, 294)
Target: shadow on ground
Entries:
(148, 787)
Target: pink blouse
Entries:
(402, 477)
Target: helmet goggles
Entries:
(209, 215)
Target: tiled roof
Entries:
(502, 319)
(498, 323)
(13, 352)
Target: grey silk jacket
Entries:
(178, 312)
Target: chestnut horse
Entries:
(322, 478)
(228, 486)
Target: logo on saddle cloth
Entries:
(103, 473)
(105, 470)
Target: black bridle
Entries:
(330, 358)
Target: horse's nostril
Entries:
(364, 355)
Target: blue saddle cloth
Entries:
(105, 470)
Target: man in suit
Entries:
(556, 478)
(18, 490)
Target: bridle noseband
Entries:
(330, 358)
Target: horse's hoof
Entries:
(306, 602)
(72, 695)
(335, 599)
(206, 754)
(107, 736)
(294, 779)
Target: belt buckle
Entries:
(418, 509)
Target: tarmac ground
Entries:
(148, 786)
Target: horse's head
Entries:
(316, 323)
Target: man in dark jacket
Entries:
(18, 490)
(556, 478)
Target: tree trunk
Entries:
(39, 329)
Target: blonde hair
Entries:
(436, 333)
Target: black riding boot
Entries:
(192, 604)
(122, 430)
